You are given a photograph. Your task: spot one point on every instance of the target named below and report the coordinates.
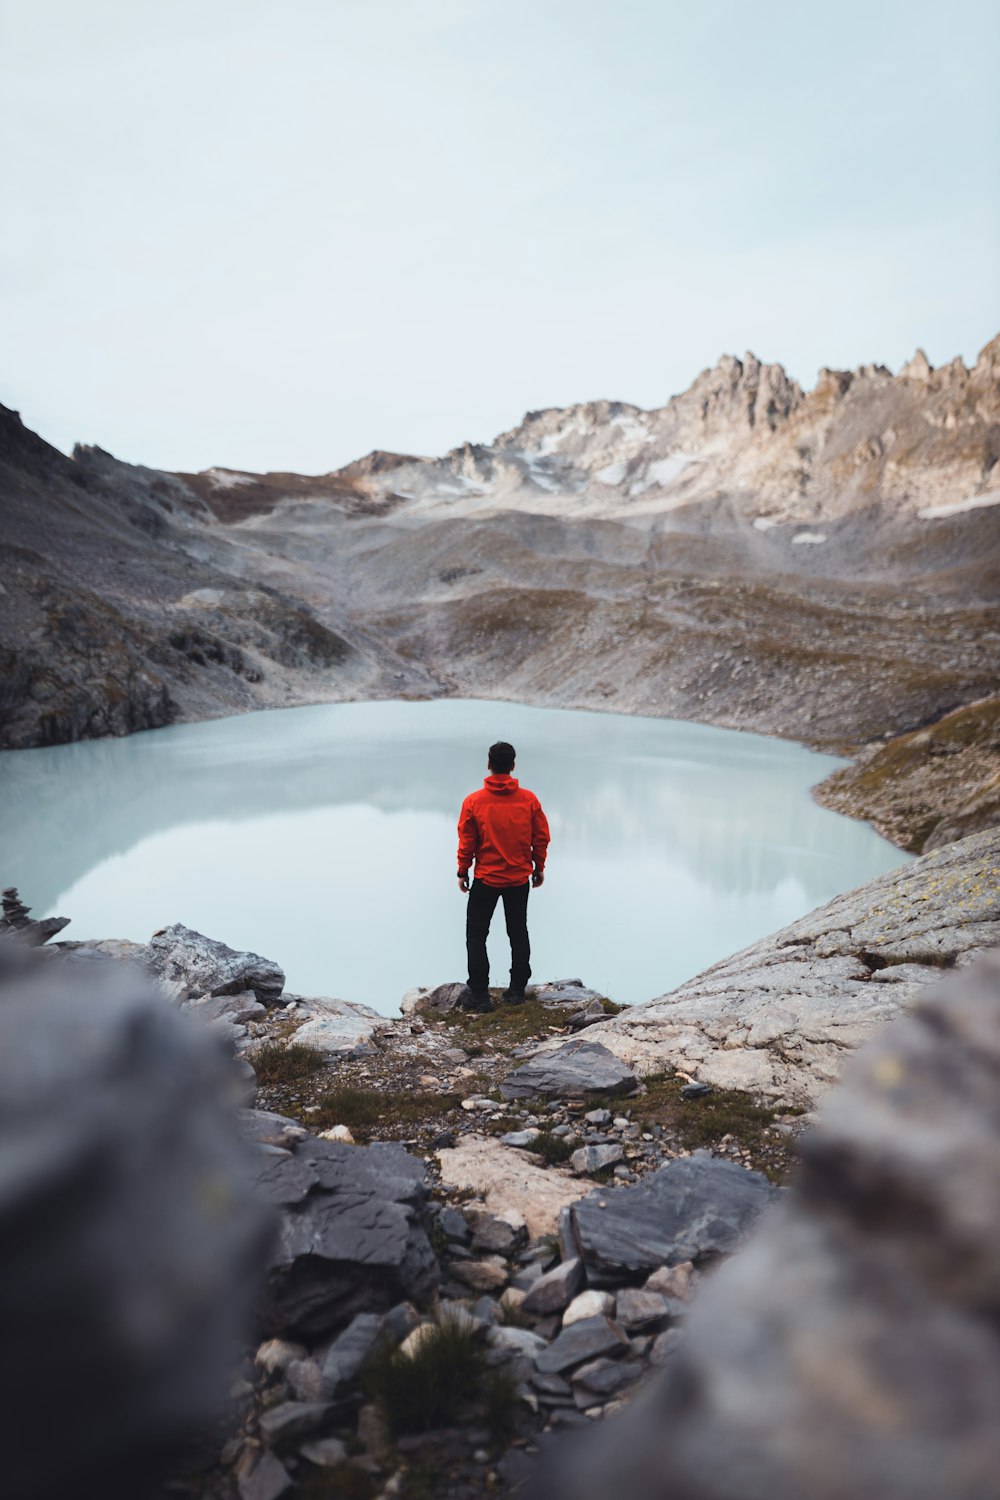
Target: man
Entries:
(503, 830)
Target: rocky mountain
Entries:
(820, 564)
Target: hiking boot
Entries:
(479, 1000)
(513, 997)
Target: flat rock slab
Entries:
(589, 1339)
(560, 992)
(340, 1028)
(569, 1071)
(203, 966)
(693, 1208)
(352, 1236)
(779, 1018)
(510, 1181)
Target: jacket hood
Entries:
(501, 783)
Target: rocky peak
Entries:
(918, 368)
(988, 363)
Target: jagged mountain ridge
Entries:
(923, 443)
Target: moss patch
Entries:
(705, 1122)
(366, 1111)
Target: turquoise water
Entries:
(324, 838)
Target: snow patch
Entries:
(611, 474)
(629, 426)
(663, 470)
(227, 479)
(764, 523)
(974, 502)
(808, 536)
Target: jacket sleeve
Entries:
(539, 837)
(468, 838)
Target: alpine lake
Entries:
(325, 838)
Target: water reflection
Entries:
(324, 837)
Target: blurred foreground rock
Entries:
(851, 1348)
(131, 1242)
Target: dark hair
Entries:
(502, 757)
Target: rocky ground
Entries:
(929, 787)
(491, 1225)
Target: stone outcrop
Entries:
(780, 1018)
(851, 1347)
(17, 925)
(191, 963)
(352, 1236)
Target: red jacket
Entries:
(502, 827)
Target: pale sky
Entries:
(275, 234)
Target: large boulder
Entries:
(779, 1019)
(352, 1236)
(340, 1028)
(570, 1071)
(187, 961)
(851, 1347)
(694, 1209)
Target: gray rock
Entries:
(562, 992)
(207, 967)
(555, 1289)
(595, 1158)
(339, 1028)
(519, 1138)
(440, 1001)
(598, 1117)
(589, 1339)
(267, 1479)
(325, 1453)
(236, 1008)
(455, 1225)
(516, 1340)
(290, 1420)
(635, 1309)
(352, 1236)
(850, 1348)
(570, 1071)
(601, 1378)
(496, 1235)
(691, 1209)
(347, 1355)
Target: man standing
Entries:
(503, 830)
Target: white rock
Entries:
(337, 1133)
(589, 1304)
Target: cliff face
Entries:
(819, 565)
(123, 606)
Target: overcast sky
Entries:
(275, 234)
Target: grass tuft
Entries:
(553, 1149)
(273, 1062)
(363, 1109)
(430, 1387)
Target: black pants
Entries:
(482, 904)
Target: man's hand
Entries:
(538, 878)
(463, 883)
